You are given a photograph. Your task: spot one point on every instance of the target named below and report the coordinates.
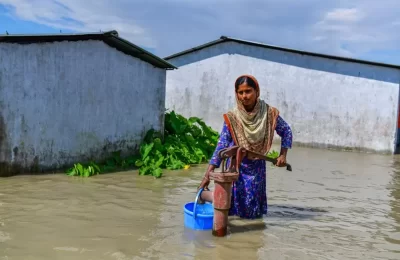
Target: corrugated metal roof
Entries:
(263, 45)
(111, 38)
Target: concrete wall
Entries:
(64, 102)
(328, 103)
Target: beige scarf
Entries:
(253, 130)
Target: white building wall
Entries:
(64, 102)
(328, 103)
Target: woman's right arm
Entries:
(224, 140)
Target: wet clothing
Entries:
(249, 192)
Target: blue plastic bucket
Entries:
(198, 216)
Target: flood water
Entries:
(333, 205)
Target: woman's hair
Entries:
(244, 79)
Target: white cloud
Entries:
(351, 28)
(80, 16)
(344, 15)
(361, 27)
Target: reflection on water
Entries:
(333, 205)
(393, 236)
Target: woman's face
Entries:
(247, 95)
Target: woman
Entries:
(251, 124)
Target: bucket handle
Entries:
(195, 202)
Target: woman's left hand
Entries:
(281, 161)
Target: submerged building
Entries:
(329, 101)
(74, 97)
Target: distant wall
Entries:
(64, 102)
(328, 103)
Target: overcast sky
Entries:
(366, 29)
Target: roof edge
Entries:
(4, 37)
(197, 48)
(114, 34)
(111, 38)
(268, 46)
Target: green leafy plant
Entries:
(116, 162)
(273, 154)
(84, 170)
(186, 142)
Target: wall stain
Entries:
(23, 165)
(25, 159)
(15, 150)
(6, 168)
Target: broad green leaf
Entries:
(157, 173)
(145, 149)
(139, 163)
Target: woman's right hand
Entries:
(206, 180)
(204, 184)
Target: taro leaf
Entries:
(208, 131)
(159, 161)
(190, 139)
(178, 126)
(273, 154)
(79, 168)
(200, 155)
(146, 161)
(72, 172)
(86, 172)
(157, 173)
(151, 135)
(144, 170)
(96, 168)
(192, 120)
(139, 163)
(175, 163)
(145, 149)
(158, 146)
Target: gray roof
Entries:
(111, 38)
(223, 39)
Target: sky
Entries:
(363, 29)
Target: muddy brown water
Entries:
(333, 205)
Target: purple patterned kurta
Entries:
(249, 192)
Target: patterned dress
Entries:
(249, 192)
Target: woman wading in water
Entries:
(251, 124)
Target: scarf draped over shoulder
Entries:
(252, 130)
